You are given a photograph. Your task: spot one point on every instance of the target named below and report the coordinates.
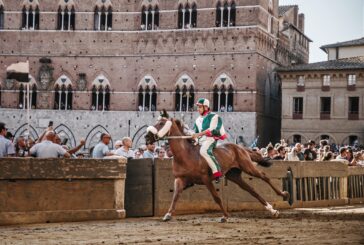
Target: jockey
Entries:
(209, 127)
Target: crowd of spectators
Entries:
(352, 155)
(50, 145)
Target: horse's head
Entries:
(159, 130)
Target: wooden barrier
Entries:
(311, 184)
(355, 185)
(60, 190)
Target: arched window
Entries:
(103, 16)
(225, 14)
(150, 18)
(30, 15)
(100, 94)
(63, 94)
(23, 98)
(185, 94)
(223, 94)
(1, 17)
(66, 15)
(187, 16)
(147, 94)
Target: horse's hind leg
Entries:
(179, 185)
(261, 175)
(217, 199)
(234, 175)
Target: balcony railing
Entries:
(297, 115)
(325, 115)
(353, 116)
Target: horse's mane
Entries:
(181, 129)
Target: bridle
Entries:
(164, 132)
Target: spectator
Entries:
(138, 154)
(161, 153)
(21, 148)
(101, 150)
(328, 156)
(125, 150)
(300, 155)
(310, 154)
(9, 136)
(7, 148)
(281, 153)
(292, 156)
(118, 144)
(48, 149)
(343, 154)
(149, 153)
(349, 154)
(270, 152)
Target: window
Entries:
(1, 17)
(66, 19)
(63, 93)
(187, 16)
(353, 108)
(23, 98)
(351, 80)
(325, 108)
(147, 94)
(223, 94)
(100, 99)
(103, 18)
(297, 108)
(225, 14)
(326, 80)
(297, 138)
(150, 18)
(353, 140)
(30, 17)
(185, 94)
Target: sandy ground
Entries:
(339, 225)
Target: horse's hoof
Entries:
(223, 220)
(167, 217)
(275, 214)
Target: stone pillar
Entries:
(183, 18)
(153, 19)
(62, 21)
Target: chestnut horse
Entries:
(190, 168)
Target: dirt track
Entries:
(305, 226)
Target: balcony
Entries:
(353, 115)
(300, 88)
(325, 115)
(297, 115)
(351, 87)
(325, 88)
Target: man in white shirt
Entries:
(125, 150)
(48, 149)
(101, 150)
(7, 148)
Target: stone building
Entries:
(103, 65)
(325, 100)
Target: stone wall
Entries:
(84, 124)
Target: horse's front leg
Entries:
(179, 185)
(217, 199)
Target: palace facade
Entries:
(102, 65)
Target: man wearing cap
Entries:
(208, 127)
(7, 148)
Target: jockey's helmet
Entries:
(204, 102)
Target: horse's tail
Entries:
(258, 158)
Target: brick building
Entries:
(120, 60)
(325, 100)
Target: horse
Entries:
(189, 168)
